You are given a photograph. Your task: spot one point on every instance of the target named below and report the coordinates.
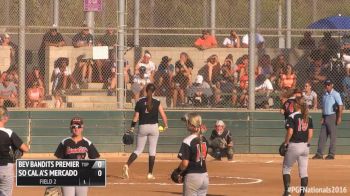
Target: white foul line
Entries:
(252, 181)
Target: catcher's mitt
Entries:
(283, 149)
(128, 137)
(218, 142)
(53, 191)
(15, 153)
(177, 176)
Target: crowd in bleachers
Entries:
(217, 83)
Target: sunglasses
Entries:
(75, 126)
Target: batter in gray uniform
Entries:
(146, 112)
(298, 137)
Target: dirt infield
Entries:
(247, 175)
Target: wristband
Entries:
(308, 144)
(133, 124)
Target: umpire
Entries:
(9, 142)
(332, 108)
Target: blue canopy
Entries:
(332, 22)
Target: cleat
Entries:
(317, 156)
(329, 157)
(150, 176)
(125, 173)
(286, 193)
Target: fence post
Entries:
(212, 16)
(281, 40)
(120, 53)
(21, 52)
(289, 23)
(56, 12)
(137, 49)
(252, 51)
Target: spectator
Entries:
(211, 69)
(6, 41)
(265, 65)
(221, 142)
(141, 79)
(307, 43)
(242, 62)
(61, 80)
(83, 38)
(288, 78)
(35, 95)
(206, 41)
(35, 76)
(346, 87)
(243, 87)
(233, 41)
(263, 90)
(259, 41)
(225, 83)
(330, 45)
(146, 62)
(310, 96)
(199, 92)
(83, 70)
(8, 93)
(112, 77)
(109, 38)
(180, 83)
(163, 77)
(51, 38)
(278, 64)
(317, 72)
(186, 65)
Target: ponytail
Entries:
(301, 104)
(150, 88)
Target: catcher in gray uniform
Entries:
(220, 142)
(297, 143)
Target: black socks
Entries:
(303, 184)
(131, 159)
(286, 182)
(151, 160)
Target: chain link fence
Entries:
(195, 52)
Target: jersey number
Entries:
(202, 150)
(302, 126)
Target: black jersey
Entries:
(226, 134)
(190, 150)
(68, 149)
(8, 140)
(288, 107)
(300, 128)
(147, 117)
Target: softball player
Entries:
(298, 137)
(9, 140)
(76, 147)
(193, 153)
(146, 112)
(288, 106)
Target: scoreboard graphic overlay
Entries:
(61, 172)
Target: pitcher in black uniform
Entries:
(146, 112)
(193, 153)
(298, 137)
(9, 141)
(76, 147)
(288, 106)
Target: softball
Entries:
(161, 128)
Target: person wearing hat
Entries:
(146, 62)
(332, 109)
(206, 41)
(76, 147)
(199, 92)
(83, 38)
(220, 142)
(50, 38)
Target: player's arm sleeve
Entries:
(60, 151)
(184, 153)
(93, 153)
(16, 140)
(137, 107)
(289, 123)
(338, 99)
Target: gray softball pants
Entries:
(296, 152)
(151, 132)
(75, 190)
(6, 179)
(196, 184)
(328, 128)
